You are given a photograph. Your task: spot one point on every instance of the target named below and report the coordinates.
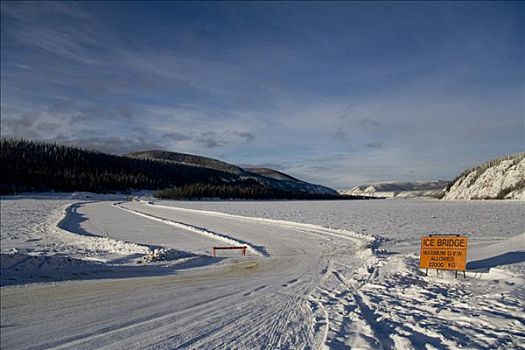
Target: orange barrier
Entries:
(243, 249)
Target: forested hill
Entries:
(265, 177)
(40, 166)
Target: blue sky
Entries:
(339, 93)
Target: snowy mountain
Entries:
(398, 189)
(502, 178)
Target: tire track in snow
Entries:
(214, 326)
(258, 250)
(141, 324)
(322, 320)
(273, 329)
(306, 228)
(303, 299)
(339, 305)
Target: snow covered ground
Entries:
(400, 222)
(317, 274)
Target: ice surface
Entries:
(400, 222)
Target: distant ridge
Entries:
(400, 189)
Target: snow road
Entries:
(249, 302)
(301, 286)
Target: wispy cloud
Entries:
(176, 136)
(246, 136)
(374, 144)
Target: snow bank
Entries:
(510, 251)
(43, 241)
(16, 262)
(165, 254)
(18, 267)
(102, 247)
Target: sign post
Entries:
(445, 252)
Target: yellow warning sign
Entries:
(443, 253)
